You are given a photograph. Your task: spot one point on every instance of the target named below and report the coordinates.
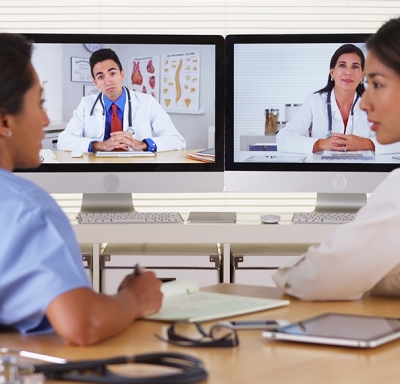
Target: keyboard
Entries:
(323, 217)
(125, 154)
(130, 218)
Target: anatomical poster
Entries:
(145, 74)
(180, 82)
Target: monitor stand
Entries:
(107, 202)
(340, 202)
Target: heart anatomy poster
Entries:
(144, 75)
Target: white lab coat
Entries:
(312, 117)
(149, 120)
(360, 256)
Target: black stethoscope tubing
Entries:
(329, 109)
(100, 98)
(192, 369)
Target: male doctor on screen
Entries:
(118, 119)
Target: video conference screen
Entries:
(274, 112)
(180, 78)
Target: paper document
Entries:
(184, 302)
(48, 156)
(206, 156)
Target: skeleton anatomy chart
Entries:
(180, 82)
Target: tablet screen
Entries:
(342, 326)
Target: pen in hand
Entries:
(137, 270)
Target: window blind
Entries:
(196, 16)
(50, 77)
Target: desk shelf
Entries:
(244, 231)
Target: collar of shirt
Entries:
(335, 107)
(120, 102)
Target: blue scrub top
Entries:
(39, 256)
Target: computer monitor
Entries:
(268, 78)
(183, 73)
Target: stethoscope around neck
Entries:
(329, 109)
(100, 98)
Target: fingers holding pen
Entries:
(144, 289)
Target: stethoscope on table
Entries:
(100, 98)
(329, 109)
(190, 369)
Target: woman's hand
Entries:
(342, 143)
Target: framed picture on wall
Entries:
(80, 70)
(90, 90)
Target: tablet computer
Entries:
(340, 329)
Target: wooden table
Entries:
(175, 156)
(255, 360)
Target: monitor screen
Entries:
(275, 115)
(173, 94)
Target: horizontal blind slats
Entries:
(195, 17)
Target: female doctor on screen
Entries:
(43, 285)
(362, 255)
(331, 118)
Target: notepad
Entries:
(184, 302)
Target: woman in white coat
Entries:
(331, 118)
(363, 255)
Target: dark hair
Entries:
(385, 44)
(101, 55)
(346, 48)
(16, 74)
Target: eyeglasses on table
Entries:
(186, 334)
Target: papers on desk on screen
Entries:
(276, 159)
(125, 154)
(353, 156)
(206, 156)
(184, 302)
(48, 156)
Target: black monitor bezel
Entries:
(216, 40)
(230, 164)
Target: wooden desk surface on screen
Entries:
(178, 156)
